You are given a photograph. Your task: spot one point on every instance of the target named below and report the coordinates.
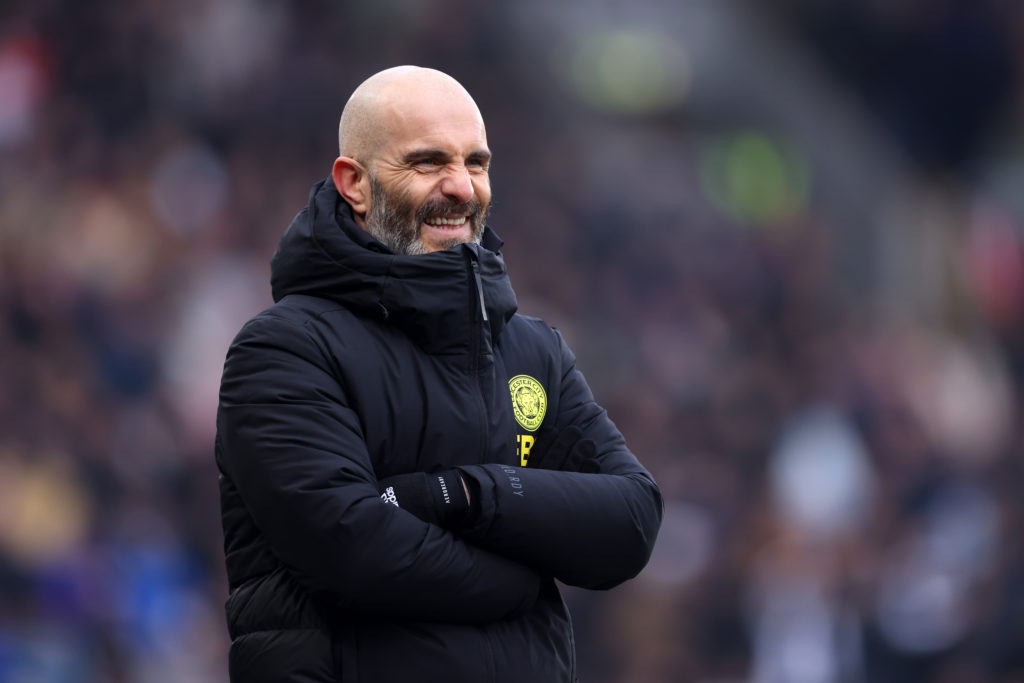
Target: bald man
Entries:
(407, 129)
(407, 464)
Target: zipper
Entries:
(475, 350)
(478, 332)
(479, 289)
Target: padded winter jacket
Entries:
(370, 365)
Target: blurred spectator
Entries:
(786, 240)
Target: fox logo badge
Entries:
(529, 401)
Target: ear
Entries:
(352, 183)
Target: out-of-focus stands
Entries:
(805, 312)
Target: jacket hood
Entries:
(435, 298)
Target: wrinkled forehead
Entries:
(448, 122)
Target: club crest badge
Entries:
(529, 401)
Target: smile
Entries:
(438, 222)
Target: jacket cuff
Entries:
(449, 497)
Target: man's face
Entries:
(429, 186)
(398, 222)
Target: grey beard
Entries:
(389, 223)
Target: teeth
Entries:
(446, 221)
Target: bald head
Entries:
(386, 101)
(414, 160)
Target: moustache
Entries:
(444, 209)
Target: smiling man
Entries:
(407, 464)
(414, 160)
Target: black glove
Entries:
(564, 450)
(435, 497)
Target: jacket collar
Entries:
(434, 298)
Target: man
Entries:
(407, 465)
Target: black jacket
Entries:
(371, 365)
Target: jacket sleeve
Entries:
(587, 530)
(296, 454)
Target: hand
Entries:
(440, 498)
(564, 450)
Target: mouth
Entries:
(449, 223)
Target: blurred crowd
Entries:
(785, 240)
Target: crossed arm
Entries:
(295, 452)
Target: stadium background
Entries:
(784, 238)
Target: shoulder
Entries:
(290, 324)
(280, 347)
(302, 309)
(293, 314)
(532, 343)
(533, 333)
(538, 332)
(531, 327)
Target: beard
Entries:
(394, 220)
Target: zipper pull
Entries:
(479, 288)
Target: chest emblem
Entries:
(528, 401)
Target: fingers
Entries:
(587, 451)
(564, 450)
(537, 458)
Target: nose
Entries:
(456, 184)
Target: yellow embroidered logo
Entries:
(528, 401)
(524, 442)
